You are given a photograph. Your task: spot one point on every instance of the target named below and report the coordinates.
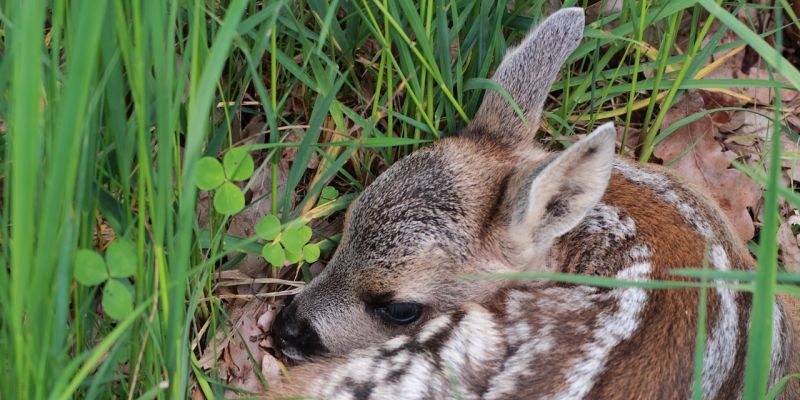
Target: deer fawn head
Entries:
(487, 200)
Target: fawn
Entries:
(392, 317)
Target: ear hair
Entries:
(552, 200)
(527, 72)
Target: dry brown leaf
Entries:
(630, 143)
(754, 130)
(789, 244)
(742, 66)
(244, 344)
(265, 319)
(694, 154)
(601, 9)
(236, 368)
(197, 394)
(764, 95)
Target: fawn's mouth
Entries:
(293, 354)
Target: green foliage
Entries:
(121, 258)
(117, 300)
(237, 165)
(274, 254)
(90, 268)
(329, 193)
(268, 227)
(209, 173)
(311, 252)
(289, 244)
(120, 263)
(228, 199)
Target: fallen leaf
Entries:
(197, 394)
(754, 129)
(631, 141)
(694, 154)
(243, 346)
(789, 244)
(601, 9)
(742, 66)
(265, 319)
(237, 368)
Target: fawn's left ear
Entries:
(553, 199)
(526, 73)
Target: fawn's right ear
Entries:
(549, 200)
(527, 72)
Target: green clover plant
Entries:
(290, 243)
(329, 193)
(285, 244)
(113, 271)
(237, 165)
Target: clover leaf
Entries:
(329, 193)
(121, 258)
(228, 199)
(120, 263)
(292, 239)
(311, 252)
(209, 174)
(274, 254)
(268, 227)
(117, 300)
(237, 165)
(294, 256)
(90, 268)
(290, 244)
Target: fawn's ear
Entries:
(527, 72)
(552, 199)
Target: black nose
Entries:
(295, 337)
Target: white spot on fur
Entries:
(604, 219)
(662, 187)
(639, 252)
(395, 343)
(505, 383)
(720, 353)
(358, 369)
(474, 342)
(433, 327)
(517, 300)
(613, 329)
(413, 384)
(518, 333)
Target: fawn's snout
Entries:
(294, 336)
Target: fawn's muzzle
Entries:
(295, 337)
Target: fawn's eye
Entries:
(399, 313)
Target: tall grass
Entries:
(108, 106)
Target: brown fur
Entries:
(792, 306)
(674, 245)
